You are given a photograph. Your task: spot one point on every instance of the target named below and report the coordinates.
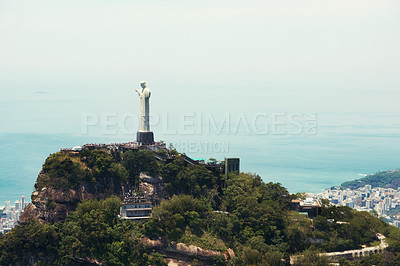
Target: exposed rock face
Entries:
(50, 205)
(192, 250)
(183, 251)
(69, 177)
(153, 187)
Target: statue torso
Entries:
(145, 93)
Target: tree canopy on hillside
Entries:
(205, 208)
(390, 179)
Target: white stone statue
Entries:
(144, 94)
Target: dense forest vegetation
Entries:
(389, 179)
(66, 170)
(204, 208)
(93, 231)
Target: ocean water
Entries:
(342, 147)
(22, 157)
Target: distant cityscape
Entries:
(384, 201)
(10, 214)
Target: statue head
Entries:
(143, 84)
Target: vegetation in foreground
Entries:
(205, 208)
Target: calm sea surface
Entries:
(343, 147)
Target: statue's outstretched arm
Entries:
(139, 92)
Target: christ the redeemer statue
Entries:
(144, 94)
(144, 135)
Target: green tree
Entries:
(27, 240)
(140, 161)
(311, 258)
(119, 172)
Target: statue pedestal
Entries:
(145, 137)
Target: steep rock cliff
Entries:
(69, 177)
(50, 205)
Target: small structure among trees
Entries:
(310, 206)
(137, 207)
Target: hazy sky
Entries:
(214, 56)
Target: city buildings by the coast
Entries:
(10, 214)
(385, 202)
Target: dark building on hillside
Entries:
(232, 165)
